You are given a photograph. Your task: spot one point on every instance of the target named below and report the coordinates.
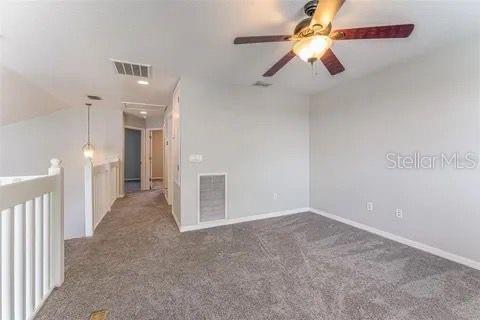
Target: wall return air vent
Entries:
(132, 69)
(212, 197)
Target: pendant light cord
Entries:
(88, 124)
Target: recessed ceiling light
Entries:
(143, 82)
(143, 112)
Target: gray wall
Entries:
(259, 137)
(429, 104)
(133, 143)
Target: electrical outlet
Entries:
(399, 213)
(275, 196)
(370, 206)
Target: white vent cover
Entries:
(132, 69)
(212, 197)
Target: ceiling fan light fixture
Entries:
(312, 48)
(313, 37)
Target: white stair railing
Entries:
(102, 188)
(31, 236)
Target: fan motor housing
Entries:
(303, 29)
(309, 7)
(302, 25)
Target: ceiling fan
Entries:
(313, 36)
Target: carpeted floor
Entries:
(138, 266)
(132, 186)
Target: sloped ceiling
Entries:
(64, 48)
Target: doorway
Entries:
(133, 159)
(156, 159)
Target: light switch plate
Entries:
(399, 213)
(195, 158)
(370, 206)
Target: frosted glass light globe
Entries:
(313, 48)
(88, 151)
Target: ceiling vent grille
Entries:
(132, 69)
(262, 84)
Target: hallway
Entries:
(139, 266)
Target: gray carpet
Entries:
(132, 186)
(138, 266)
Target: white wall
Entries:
(260, 137)
(429, 104)
(27, 146)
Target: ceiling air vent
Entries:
(132, 69)
(262, 84)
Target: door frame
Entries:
(167, 172)
(149, 156)
(143, 180)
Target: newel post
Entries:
(57, 224)
(88, 198)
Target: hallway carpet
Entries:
(138, 266)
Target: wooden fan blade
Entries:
(260, 39)
(280, 64)
(331, 62)
(325, 12)
(380, 32)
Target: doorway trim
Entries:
(143, 180)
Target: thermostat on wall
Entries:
(195, 158)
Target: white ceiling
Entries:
(65, 47)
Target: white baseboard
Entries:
(212, 224)
(411, 243)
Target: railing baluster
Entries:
(30, 258)
(19, 261)
(46, 244)
(51, 249)
(38, 250)
(7, 263)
